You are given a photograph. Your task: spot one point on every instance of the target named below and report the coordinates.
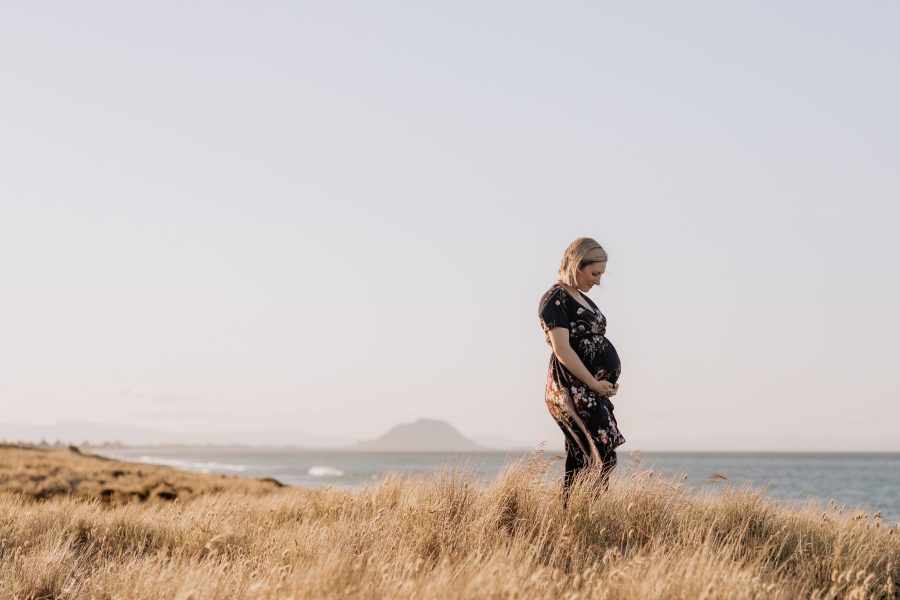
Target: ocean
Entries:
(870, 481)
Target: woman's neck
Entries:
(579, 297)
(574, 291)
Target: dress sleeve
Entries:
(553, 313)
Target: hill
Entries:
(423, 435)
(95, 434)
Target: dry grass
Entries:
(43, 473)
(442, 536)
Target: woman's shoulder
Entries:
(556, 294)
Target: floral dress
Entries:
(587, 338)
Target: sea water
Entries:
(870, 481)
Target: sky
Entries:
(333, 217)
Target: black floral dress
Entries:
(587, 338)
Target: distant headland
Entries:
(422, 435)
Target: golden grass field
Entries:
(79, 526)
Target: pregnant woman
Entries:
(584, 366)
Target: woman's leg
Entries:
(609, 463)
(575, 457)
(576, 460)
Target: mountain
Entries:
(423, 435)
(76, 432)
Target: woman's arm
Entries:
(559, 339)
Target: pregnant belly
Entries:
(607, 365)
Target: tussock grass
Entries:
(43, 473)
(442, 536)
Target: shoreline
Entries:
(439, 535)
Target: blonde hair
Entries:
(580, 253)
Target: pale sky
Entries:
(335, 217)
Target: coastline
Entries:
(437, 535)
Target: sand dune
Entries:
(161, 533)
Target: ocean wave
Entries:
(324, 471)
(203, 467)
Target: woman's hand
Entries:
(605, 388)
(559, 339)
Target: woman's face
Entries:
(589, 275)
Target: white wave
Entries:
(203, 467)
(216, 466)
(323, 471)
